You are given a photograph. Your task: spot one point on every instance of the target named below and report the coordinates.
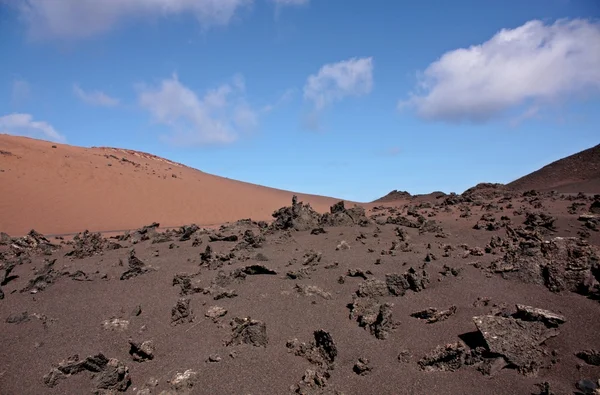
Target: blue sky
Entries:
(345, 98)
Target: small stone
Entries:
(137, 311)
(362, 367)
(214, 358)
(215, 312)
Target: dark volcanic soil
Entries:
(416, 299)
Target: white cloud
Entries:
(216, 118)
(21, 90)
(95, 98)
(84, 18)
(335, 81)
(24, 125)
(532, 63)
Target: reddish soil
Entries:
(494, 291)
(356, 291)
(576, 173)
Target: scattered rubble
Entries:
(89, 244)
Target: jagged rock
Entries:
(186, 284)
(372, 315)
(317, 231)
(187, 231)
(298, 216)
(528, 313)
(144, 233)
(5, 239)
(340, 216)
(219, 237)
(214, 261)
(136, 267)
(110, 374)
(591, 357)
(248, 331)
(446, 358)
(516, 340)
(181, 312)
(183, 382)
(342, 246)
(312, 383)
(433, 315)
(88, 244)
(164, 237)
(6, 275)
(361, 367)
(404, 356)
(141, 351)
(403, 221)
(18, 318)
(257, 269)
(311, 258)
(372, 288)
(491, 366)
(356, 273)
(321, 352)
(33, 242)
(540, 221)
(43, 277)
(588, 387)
(302, 273)
(561, 264)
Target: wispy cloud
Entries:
(534, 62)
(335, 81)
(21, 91)
(290, 2)
(217, 117)
(23, 125)
(285, 97)
(95, 98)
(531, 112)
(75, 19)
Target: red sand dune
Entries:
(69, 189)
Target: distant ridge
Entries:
(579, 172)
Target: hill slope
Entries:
(69, 189)
(576, 173)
